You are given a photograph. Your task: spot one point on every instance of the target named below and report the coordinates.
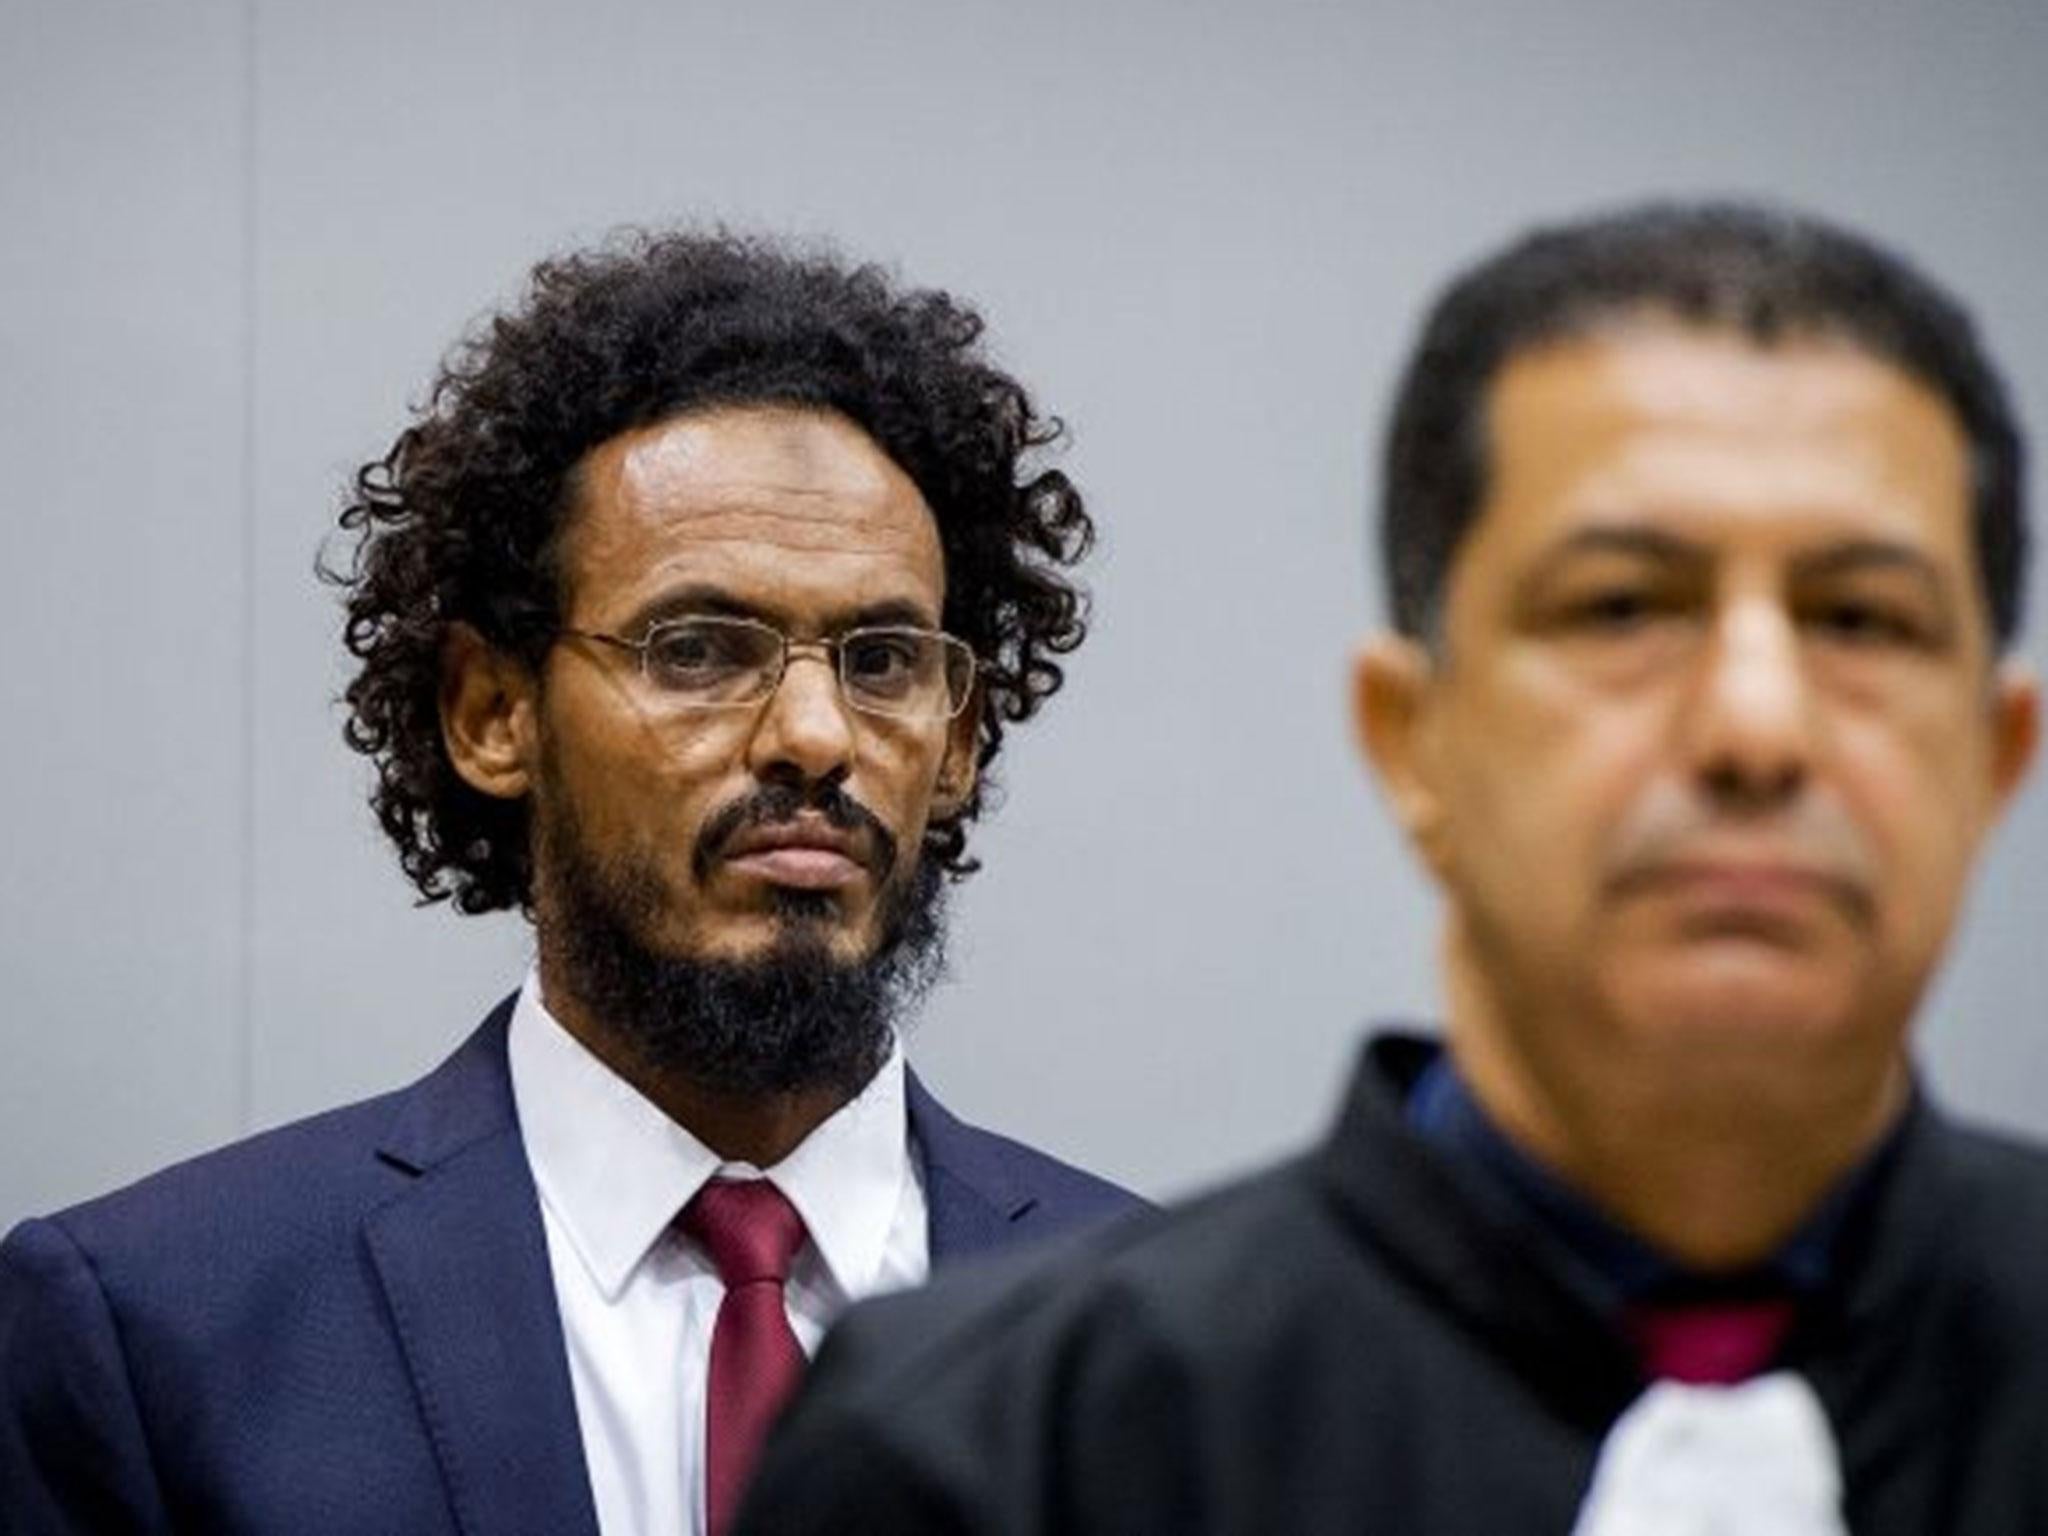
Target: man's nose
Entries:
(1750, 720)
(805, 730)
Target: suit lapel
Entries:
(463, 1260)
(974, 1198)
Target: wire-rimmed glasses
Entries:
(896, 670)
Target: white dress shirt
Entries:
(638, 1301)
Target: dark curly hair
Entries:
(1764, 272)
(461, 522)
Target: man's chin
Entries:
(794, 933)
(1735, 995)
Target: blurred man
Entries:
(1704, 534)
(690, 613)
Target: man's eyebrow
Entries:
(892, 611)
(1855, 555)
(691, 602)
(1617, 539)
(701, 600)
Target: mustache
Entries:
(1811, 834)
(774, 803)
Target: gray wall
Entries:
(235, 237)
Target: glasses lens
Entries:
(907, 672)
(713, 661)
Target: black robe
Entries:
(1366, 1340)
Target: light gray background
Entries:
(234, 237)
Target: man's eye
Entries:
(881, 658)
(689, 650)
(1615, 609)
(1865, 623)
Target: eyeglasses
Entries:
(899, 671)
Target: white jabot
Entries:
(1752, 1460)
(638, 1301)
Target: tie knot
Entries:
(747, 1226)
(1711, 1343)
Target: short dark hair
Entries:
(1763, 271)
(461, 521)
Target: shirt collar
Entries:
(847, 1178)
(615, 1171)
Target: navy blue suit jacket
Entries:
(348, 1325)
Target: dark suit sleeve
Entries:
(73, 1458)
(969, 1412)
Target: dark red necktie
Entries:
(1713, 1344)
(750, 1233)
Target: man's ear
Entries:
(487, 714)
(960, 768)
(1393, 680)
(2015, 730)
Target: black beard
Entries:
(794, 1017)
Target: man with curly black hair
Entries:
(690, 612)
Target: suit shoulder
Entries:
(1000, 1166)
(1168, 1271)
(309, 1173)
(1996, 1183)
(1086, 1194)
(289, 1194)
(298, 1163)
(2010, 1160)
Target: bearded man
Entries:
(690, 614)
